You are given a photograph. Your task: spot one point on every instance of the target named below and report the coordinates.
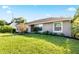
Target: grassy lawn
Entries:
(37, 44)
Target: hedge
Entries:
(6, 29)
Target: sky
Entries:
(35, 12)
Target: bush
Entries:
(2, 22)
(47, 33)
(61, 34)
(54, 34)
(13, 30)
(77, 36)
(7, 29)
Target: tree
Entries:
(21, 24)
(2, 22)
(76, 15)
(21, 27)
(19, 20)
(75, 23)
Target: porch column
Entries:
(29, 28)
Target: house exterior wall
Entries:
(47, 27)
(29, 28)
(66, 28)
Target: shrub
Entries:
(77, 36)
(13, 30)
(2, 22)
(61, 34)
(6, 29)
(26, 31)
(54, 34)
(47, 33)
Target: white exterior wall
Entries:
(67, 28)
(29, 29)
(47, 27)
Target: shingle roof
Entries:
(48, 20)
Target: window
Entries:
(58, 27)
(38, 27)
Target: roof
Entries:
(49, 20)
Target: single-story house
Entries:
(53, 24)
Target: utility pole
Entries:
(12, 17)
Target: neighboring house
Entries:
(14, 25)
(53, 24)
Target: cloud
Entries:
(71, 9)
(48, 15)
(5, 7)
(9, 11)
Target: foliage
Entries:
(22, 27)
(21, 24)
(77, 35)
(75, 24)
(19, 20)
(54, 34)
(61, 34)
(76, 15)
(6, 28)
(47, 33)
(75, 29)
(2, 22)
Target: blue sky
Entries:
(33, 12)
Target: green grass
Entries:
(37, 44)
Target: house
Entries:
(53, 24)
(14, 25)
